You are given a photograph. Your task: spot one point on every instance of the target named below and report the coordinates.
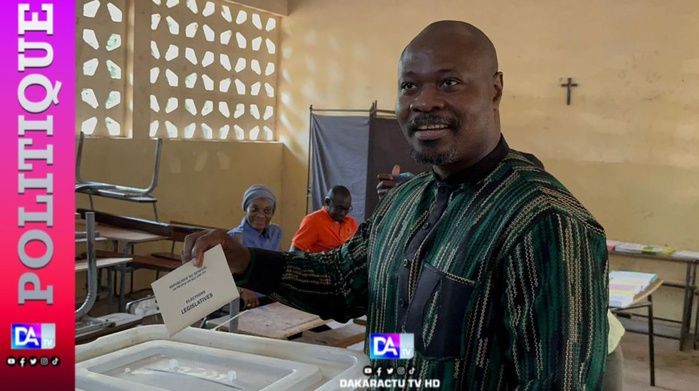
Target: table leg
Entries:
(651, 340)
(691, 298)
(109, 289)
(113, 282)
(696, 329)
(128, 249)
(114, 279)
(690, 281)
(122, 288)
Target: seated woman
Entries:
(256, 230)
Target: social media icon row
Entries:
(379, 371)
(22, 361)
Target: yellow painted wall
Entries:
(628, 146)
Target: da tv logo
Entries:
(34, 336)
(392, 346)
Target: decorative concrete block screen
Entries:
(101, 62)
(212, 72)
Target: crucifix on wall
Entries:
(569, 85)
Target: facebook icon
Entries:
(392, 346)
(34, 336)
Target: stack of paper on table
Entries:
(634, 248)
(623, 286)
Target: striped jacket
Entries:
(499, 272)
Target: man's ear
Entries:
(498, 84)
(327, 201)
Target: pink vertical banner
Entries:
(37, 279)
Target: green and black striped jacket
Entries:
(499, 272)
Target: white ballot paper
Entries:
(188, 293)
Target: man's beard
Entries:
(439, 159)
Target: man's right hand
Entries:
(196, 244)
(389, 181)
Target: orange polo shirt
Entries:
(319, 232)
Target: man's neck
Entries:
(474, 170)
(447, 170)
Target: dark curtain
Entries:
(339, 145)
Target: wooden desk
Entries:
(360, 321)
(341, 337)
(84, 240)
(130, 237)
(689, 287)
(125, 235)
(81, 265)
(273, 320)
(640, 300)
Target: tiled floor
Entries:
(674, 370)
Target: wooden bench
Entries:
(145, 261)
(81, 265)
(132, 223)
(179, 231)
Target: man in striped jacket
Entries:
(495, 268)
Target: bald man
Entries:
(328, 227)
(492, 265)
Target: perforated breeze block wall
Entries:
(211, 66)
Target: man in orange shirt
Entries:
(328, 227)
